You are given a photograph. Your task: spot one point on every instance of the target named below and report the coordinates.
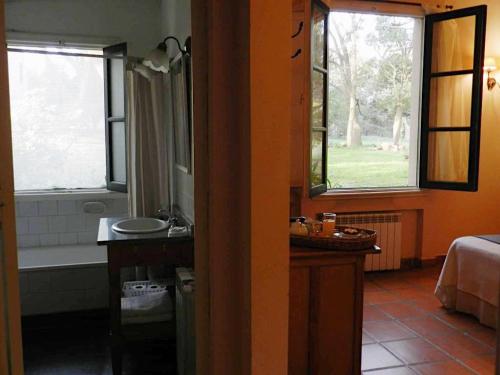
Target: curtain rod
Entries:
(22, 50)
(27, 36)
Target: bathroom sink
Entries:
(139, 225)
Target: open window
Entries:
(436, 144)
(451, 99)
(319, 98)
(115, 111)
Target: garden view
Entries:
(372, 62)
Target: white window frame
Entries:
(416, 97)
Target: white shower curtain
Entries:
(148, 184)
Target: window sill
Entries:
(35, 195)
(371, 194)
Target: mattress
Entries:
(470, 278)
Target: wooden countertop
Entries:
(106, 235)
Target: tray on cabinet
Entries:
(341, 239)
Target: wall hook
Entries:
(301, 25)
(298, 52)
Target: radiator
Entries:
(388, 228)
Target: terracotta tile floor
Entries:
(407, 331)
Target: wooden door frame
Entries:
(11, 357)
(241, 250)
(241, 120)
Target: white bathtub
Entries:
(63, 278)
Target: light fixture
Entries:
(158, 59)
(489, 66)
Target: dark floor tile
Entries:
(414, 351)
(77, 344)
(387, 330)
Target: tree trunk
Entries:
(353, 129)
(397, 125)
(353, 138)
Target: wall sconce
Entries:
(159, 60)
(489, 66)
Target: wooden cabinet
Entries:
(130, 250)
(326, 311)
(175, 252)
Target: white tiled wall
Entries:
(53, 220)
(59, 219)
(67, 289)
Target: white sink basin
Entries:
(139, 225)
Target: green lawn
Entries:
(366, 167)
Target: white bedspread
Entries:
(470, 278)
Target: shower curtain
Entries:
(148, 176)
(147, 143)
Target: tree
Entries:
(344, 56)
(393, 42)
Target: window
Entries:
(319, 99)
(452, 98)
(393, 119)
(57, 100)
(374, 65)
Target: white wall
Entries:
(60, 219)
(176, 21)
(134, 21)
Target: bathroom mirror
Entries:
(181, 111)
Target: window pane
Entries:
(454, 95)
(57, 109)
(318, 98)
(448, 156)
(453, 44)
(317, 158)
(318, 37)
(119, 154)
(374, 106)
(117, 89)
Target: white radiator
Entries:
(388, 228)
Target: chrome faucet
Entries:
(162, 214)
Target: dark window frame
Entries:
(474, 129)
(321, 188)
(118, 51)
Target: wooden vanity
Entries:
(326, 311)
(130, 250)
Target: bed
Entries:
(470, 278)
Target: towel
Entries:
(177, 231)
(152, 307)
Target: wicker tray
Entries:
(339, 241)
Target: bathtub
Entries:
(57, 279)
